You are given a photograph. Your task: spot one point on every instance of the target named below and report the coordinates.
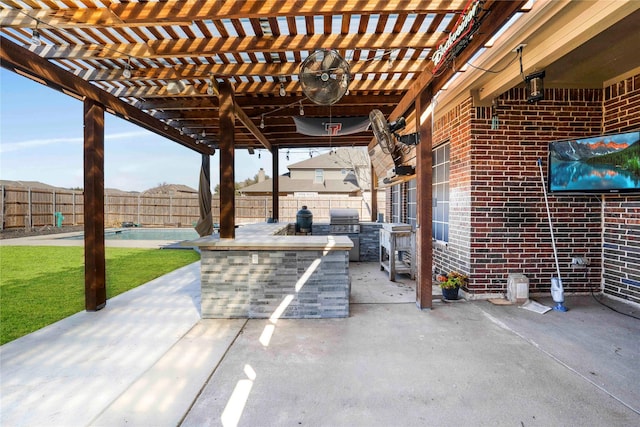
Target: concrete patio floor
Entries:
(148, 359)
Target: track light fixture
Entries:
(301, 109)
(204, 133)
(35, 36)
(262, 122)
(126, 73)
(283, 92)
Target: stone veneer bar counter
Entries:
(263, 273)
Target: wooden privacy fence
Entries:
(36, 208)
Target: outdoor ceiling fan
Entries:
(324, 76)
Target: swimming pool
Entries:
(173, 234)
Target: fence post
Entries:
(170, 209)
(138, 209)
(30, 217)
(2, 209)
(53, 214)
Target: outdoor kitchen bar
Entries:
(266, 273)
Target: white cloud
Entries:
(29, 144)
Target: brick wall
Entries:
(454, 127)
(498, 219)
(621, 215)
(509, 218)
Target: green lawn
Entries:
(40, 285)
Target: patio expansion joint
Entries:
(213, 371)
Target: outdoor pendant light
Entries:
(175, 87)
(210, 85)
(535, 87)
(126, 73)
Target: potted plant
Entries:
(450, 284)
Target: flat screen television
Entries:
(601, 164)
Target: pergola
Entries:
(223, 75)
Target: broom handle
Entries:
(546, 202)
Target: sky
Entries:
(41, 139)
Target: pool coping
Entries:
(62, 239)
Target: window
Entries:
(440, 190)
(396, 203)
(319, 177)
(412, 205)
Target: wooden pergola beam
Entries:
(175, 12)
(18, 59)
(258, 88)
(266, 103)
(260, 70)
(204, 46)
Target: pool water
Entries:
(147, 234)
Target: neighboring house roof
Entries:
(288, 185)
(342, 158)
(171, 189)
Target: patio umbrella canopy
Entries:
(204, 227)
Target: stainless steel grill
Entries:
(344, 221)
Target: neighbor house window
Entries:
(319, 178)
(440, 189)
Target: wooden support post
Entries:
(275, 204)
(95, 288)
(227, 166)
(424, 195)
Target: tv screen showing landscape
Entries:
(601, 164)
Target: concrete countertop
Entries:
(262, 236)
